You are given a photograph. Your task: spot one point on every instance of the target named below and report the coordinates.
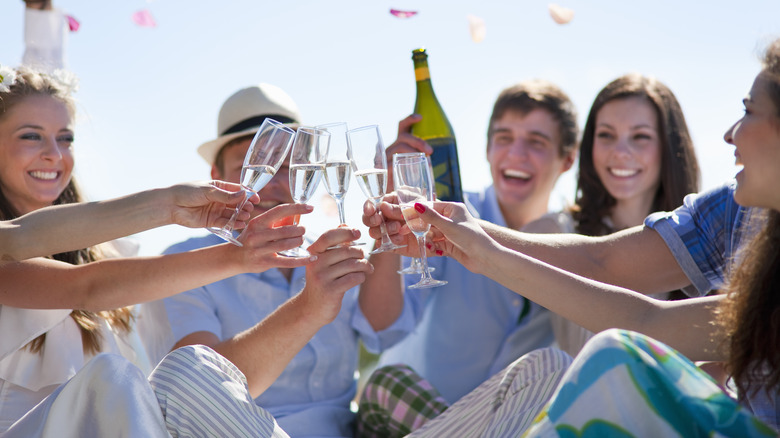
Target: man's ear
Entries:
(216, 173)
(568, 161)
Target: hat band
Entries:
(255, 122)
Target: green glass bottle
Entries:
(435, 128)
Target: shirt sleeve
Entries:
(376, 342)
(192, 311)
(699, 233)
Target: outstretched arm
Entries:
(263, 351)
(636, 258)
(68, 227)
(686, 325)
(108, 284)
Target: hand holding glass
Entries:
(414, 184)
(307, 164)
(415, 267)
(370, 166)
(263, 158)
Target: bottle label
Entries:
(421, 74)
(445, 169)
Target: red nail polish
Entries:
(429, 246)
(439, 252)
(419, 207)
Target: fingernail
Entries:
(356, 233)
(313, 258)
(439, 252)
(419, 207)
(429, 246)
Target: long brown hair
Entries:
(751, 314)
(30, 83)
(679, 168)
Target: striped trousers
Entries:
(193, 392)
(503, 406)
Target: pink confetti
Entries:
(476, 28)
(403, 14)
(144, 18)
(560, 14)
(73, 24)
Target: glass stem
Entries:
(385, 237)
(425, 275)
(232, 222)
(342, 216)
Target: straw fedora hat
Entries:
(244, 112)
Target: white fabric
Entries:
(45, 33)
(90, 405)
(26, 378)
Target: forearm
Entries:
(112, 283)
(685, 325)
(636, 258)
(263, 351)
(381, 295)
(68, 227)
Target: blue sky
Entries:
(149, 97)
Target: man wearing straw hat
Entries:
(292, 331)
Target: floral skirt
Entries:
(624, 384)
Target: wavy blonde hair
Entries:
(31, 83)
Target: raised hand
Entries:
(397, 230)
(208, 204)
(459, 235)
(405, 142)
(263, 238)
(336, 269)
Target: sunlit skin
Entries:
(756, 137)
(36, 155)
(627, 157)
(525, 163)
(276, 192)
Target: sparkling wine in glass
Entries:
(415, 267)
(370, 168)
(413, 184)
(265, 155)
(307, 164)
(338, 166)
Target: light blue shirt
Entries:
(471, 328)
(312, 396)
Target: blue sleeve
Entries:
(699, 234)
(192, 311)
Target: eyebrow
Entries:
(642, 125)
(533, 132)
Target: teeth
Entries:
(39, 174)
(623, 172)
(512, 173)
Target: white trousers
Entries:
(506, 404)
(193, 392)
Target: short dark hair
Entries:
(527, 96)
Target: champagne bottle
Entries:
(435, 128)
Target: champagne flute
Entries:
(415, 267)
(338, 167)
(413, 184)
(370, 166)
(265, 155)
(307, 164)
